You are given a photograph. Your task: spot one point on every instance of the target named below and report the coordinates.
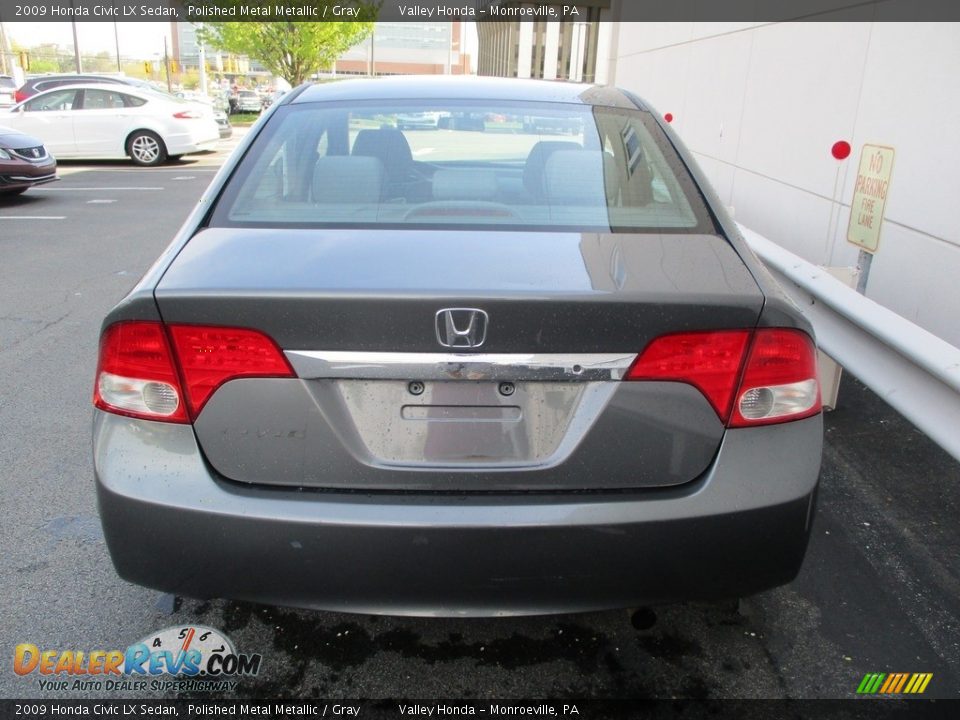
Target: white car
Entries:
(100, 121)
(8, 87)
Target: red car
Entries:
(24, 162)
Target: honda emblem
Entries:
(461, 327)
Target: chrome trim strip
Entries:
(32, 178)
(312, 364)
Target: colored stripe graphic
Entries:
(900, 684)
(869, 684)
(894, 683)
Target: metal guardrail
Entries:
(913, 370)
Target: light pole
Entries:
(116, 39)
(203, 61)
(76, 46)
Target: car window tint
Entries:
(102, 100)
(463, 164)
(132, 101)
(57, 100)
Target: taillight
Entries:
(758, 377)
(187, 115)
(210, 356)
(19, 96)
(780, 379)
(136, 374)
(710, 361)
(142, 374)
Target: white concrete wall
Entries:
(761, 106)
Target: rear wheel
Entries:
(146, 148)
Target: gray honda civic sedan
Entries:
(482, 368)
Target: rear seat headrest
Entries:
(580, 177)
(389, 145)
(347, 179)
(534, 168)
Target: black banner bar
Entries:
(476, 10)
(569, 709)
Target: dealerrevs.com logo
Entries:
(177, 658)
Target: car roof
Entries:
(112, 87)
(79, 78)
(463, 87)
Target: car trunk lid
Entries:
(380, 403)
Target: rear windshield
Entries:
(463, 165)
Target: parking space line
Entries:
(94, 189)
(190, 167)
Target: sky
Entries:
(138, 40)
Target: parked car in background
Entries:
(41, 83)
(24, 162)
(551, 124)
(249, 101)
(218, 105)
(113, 122)
(418, 121)
(273, 95)
(8, 89)
(223, 124)
(505, 376)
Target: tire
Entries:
(146, 148)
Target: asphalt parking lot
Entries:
(879, 591)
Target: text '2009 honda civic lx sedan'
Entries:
(450, 371)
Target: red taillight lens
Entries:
(19, 97)
(187, 115)
(139, 372)
(710, 361)
(210, 356)
(780, 381)
(136, 374)
(779, 377)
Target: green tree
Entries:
(292, 50)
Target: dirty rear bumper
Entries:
(172, 524)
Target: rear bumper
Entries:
(739, 529)
(197, 141)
